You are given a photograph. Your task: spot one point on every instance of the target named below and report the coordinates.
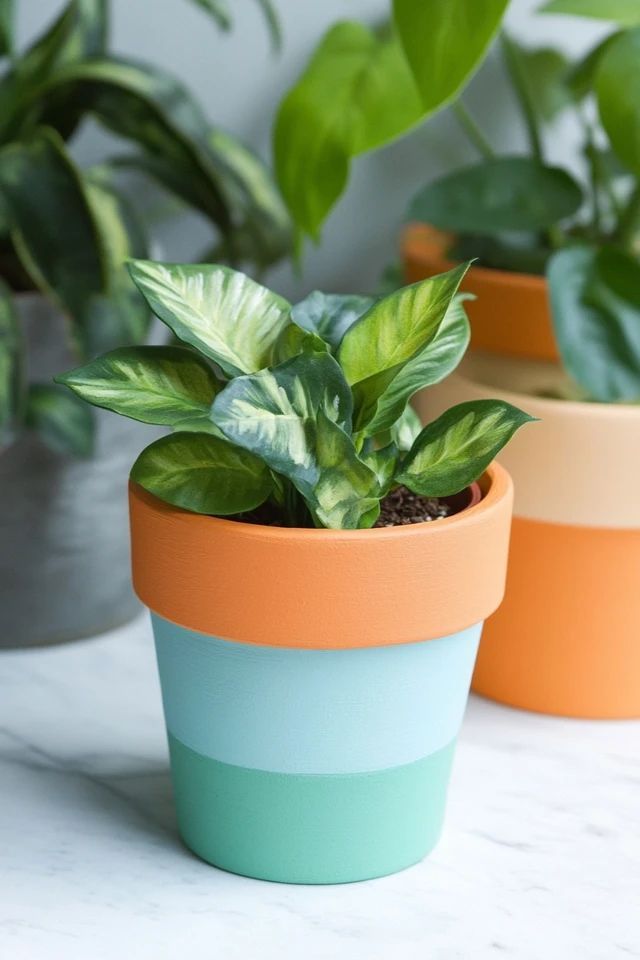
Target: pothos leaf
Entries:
(205, 474)
(165, 385)
(223, 313)
(455, 449)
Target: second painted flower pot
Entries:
(314, 681)
(566, 639)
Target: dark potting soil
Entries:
(402, 507)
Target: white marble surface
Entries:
(540, 859)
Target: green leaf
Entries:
(272, 22)
(595, 299)
(406, 429)
(529, 257)
(624, 12)
(12, 380)
(296, 417)
(356, 94)
(223, 313)
(391, 333)
(445, 41)
(203, 474)
(455, 449)
(582, 77)
(508, 193)
(544, 70)
(6, 27)
(618, 92)
(218, 10)
(168, 385)
(42, 190)
(383, 462)
(63, 422)
(293, 340)
(329, 315)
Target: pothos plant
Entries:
(521, 213)
(305, 407)
(66, 232)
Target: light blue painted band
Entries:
(313, 711)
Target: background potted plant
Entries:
(65, 297)
(557, 321)
(314, 670)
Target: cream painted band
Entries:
(578, 466)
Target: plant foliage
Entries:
(303, 407)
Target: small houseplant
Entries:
(65, 297)
(314, 670)
(557, 327)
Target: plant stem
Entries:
(628, 230)
(523, 93)
(472, 130)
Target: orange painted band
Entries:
(511, 315)
(566, 638)
(286, 587)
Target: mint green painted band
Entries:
(309, 828)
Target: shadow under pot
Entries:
(64, 562)
(565, 640)
(314, 681)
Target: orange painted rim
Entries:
(511, 314)
(278, 586)
(565, 640)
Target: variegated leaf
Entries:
(406, 429)
(223, 313)
(390, 334)
(383, 462)
(63, 422)
(329, 315)
(346, 493)
(455, 449)
(205, 474)
(167, 385)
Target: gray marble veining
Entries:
(540, 859)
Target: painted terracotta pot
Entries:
(511, 314)
(566, 639)
(314, 681)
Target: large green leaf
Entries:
(80, 32)
(12, 380)
(168, 385)
(329, 315)
(508, 193)
(430, 365)
(618, 92)
(624, 12)
(203, 474)
(62, 421)
(595, 298)
(544, 71)
(445, 41)
(6, 27)
(455, 449)
(296, 417)
(53, 226)
(223, 313)
(391, 333)
(582, 77)
(356, 94)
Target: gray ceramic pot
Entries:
(64, 535)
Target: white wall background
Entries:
(240, 83)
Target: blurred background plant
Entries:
(65, 231)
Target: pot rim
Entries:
(494, 485)
(432, 244)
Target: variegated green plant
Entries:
(66, 232)
(306, 407)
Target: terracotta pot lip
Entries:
(414, 235)
(495, 484)
(578, 408)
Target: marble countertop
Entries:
(540, 858)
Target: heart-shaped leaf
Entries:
(205, 474)
(392, 332)
(595, 298)
(507, 193)
(167, 385)
(618, 92)
(455, 449)
(329, 315)
(223, 313)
